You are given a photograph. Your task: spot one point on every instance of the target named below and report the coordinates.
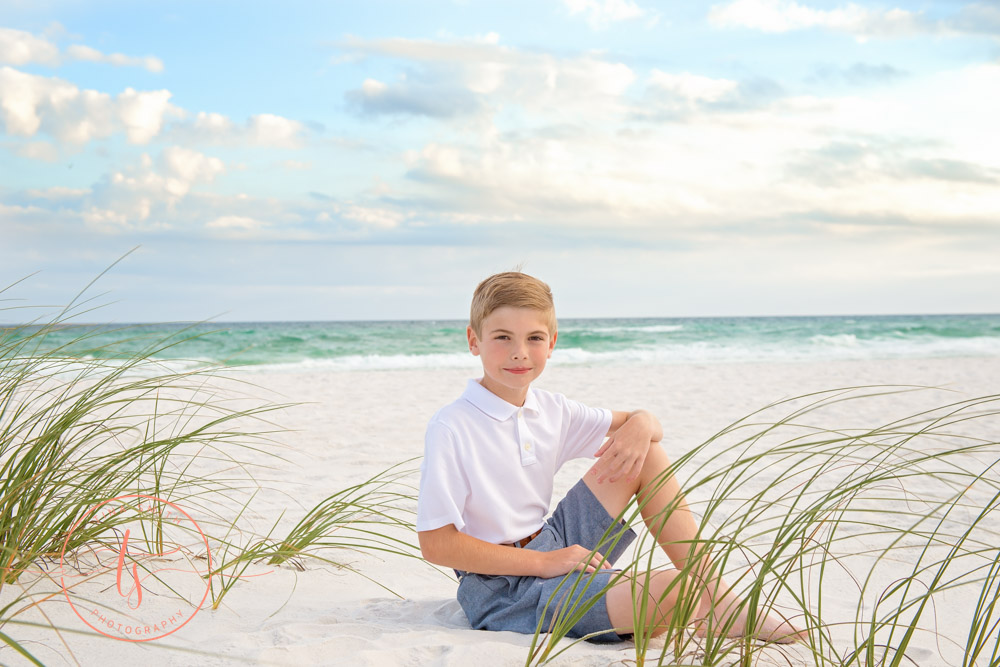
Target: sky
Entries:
(376, 159)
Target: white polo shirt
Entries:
(489, 465)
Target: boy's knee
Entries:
(656, 461)
(657, 453)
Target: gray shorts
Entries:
(519, 603)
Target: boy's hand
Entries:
(569, 559)
(624, 452)
(447, 547)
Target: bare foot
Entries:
(771, 628)
(775, 629)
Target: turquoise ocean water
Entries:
(340, 346)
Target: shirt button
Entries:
(520, 414)
(527, 446)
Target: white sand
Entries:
(352, 425)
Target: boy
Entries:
(486, 484)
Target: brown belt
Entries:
(523, 542)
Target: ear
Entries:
(552, 343)
(473, 340)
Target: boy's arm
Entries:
(447, 547)
(624, 452)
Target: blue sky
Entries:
(374, 160)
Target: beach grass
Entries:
(798, 512)
(374, 516)
(853, 534)
(81, 424)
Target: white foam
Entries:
(652, 328)
(836, 340)
(92, 368)
(817, 348)
(376, 362)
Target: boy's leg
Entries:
(666, 514)
(663, 506)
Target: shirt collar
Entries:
(492, 405)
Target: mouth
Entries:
(518, 370)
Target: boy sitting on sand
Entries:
(486, 483)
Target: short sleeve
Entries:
(584, 429)
(444, 487)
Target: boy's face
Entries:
(514, 347)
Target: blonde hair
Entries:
(515, 289)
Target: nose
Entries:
(520, 351)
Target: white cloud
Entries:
(259, 130)
(39, 150)
(554, 143)
(435, 100)
(18, 47)
(425, 50)
(88, 54)
(142, 195)
(601, 13)
(489, 38)
(440, 161)
(728, 168)
(30, 104)
(270, 130)
(377, 217)
(236, 223)
(21, 48)
(788, 15)
(373, 87)
(563, 141)
(492, 68)
(142, 113)
(169, 192)
(212, 123)
(976, 18)
(477, 77)
(692, 87)
(682, 96)
(58, 193)
(183, 167)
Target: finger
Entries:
(623, 470)
(609, 466)
(615, 469)
(636, 469)
(603, 468)
(597, 562)
(603, 448)
(618, 471)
